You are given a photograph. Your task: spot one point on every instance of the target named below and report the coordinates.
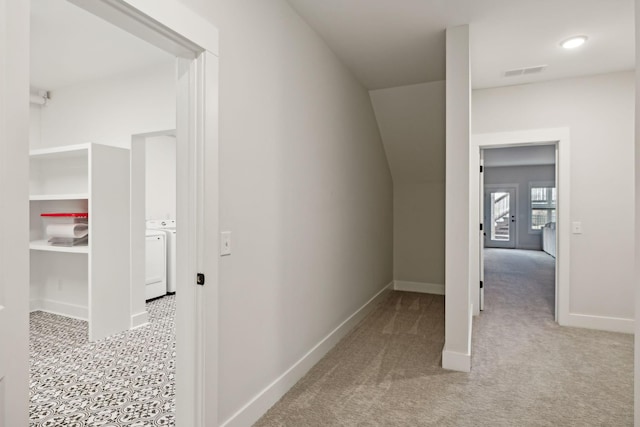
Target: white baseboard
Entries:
(454, 361)
(60, 308)
(139, 319)
(424, 288)
(601, 323)
(34, 305)
(264, 400)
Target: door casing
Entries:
(14, 210)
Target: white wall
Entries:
(412, 125)
(305, 189)
(109, 111)
(34, 125)
(457, 348)
(160, 179)
(599, 111)
(522, 176)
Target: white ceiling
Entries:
(70, 46)
(392, 43)
(385, 43)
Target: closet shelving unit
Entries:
(89, 282)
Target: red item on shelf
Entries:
(67, 214)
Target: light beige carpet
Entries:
(526, 370)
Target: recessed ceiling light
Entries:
(573, 42)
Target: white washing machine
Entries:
(155, 264)
(168, 226)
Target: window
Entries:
(543, 206)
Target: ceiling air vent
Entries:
(524, 71)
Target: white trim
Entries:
(422, 287)
(14, 210)
(171, 27)
(256, 407)
(35, 305)
(184, 22)
(601, 323)
(139, 319)
(59, 308)
(454, 361)
(561, 138)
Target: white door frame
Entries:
(481, 232)
(561, 138)
(178, 30)
(14, 210)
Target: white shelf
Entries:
(43, 245)
(80, 178)
(78, 196)
(66, 151)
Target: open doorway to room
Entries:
(519, 198)
(560, 139)
(95, 85)
(157, 173)
(99, 354)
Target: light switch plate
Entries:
(576, 227)
(225, 243)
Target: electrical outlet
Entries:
(225, 243)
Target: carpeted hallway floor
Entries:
(526, 370)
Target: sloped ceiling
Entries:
(411, 120)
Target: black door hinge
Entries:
(481, 284)
(200, 279)
(481, 228)
(481, 169)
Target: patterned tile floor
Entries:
(123, 380)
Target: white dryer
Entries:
(155, 264)
(168, 226)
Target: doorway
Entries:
(515, 219)
(102, 97)
(559, 138)
(164, 27)
(153, 208)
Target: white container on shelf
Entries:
(66, 228)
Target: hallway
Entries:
(526, 370)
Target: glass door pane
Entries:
(500, 216)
